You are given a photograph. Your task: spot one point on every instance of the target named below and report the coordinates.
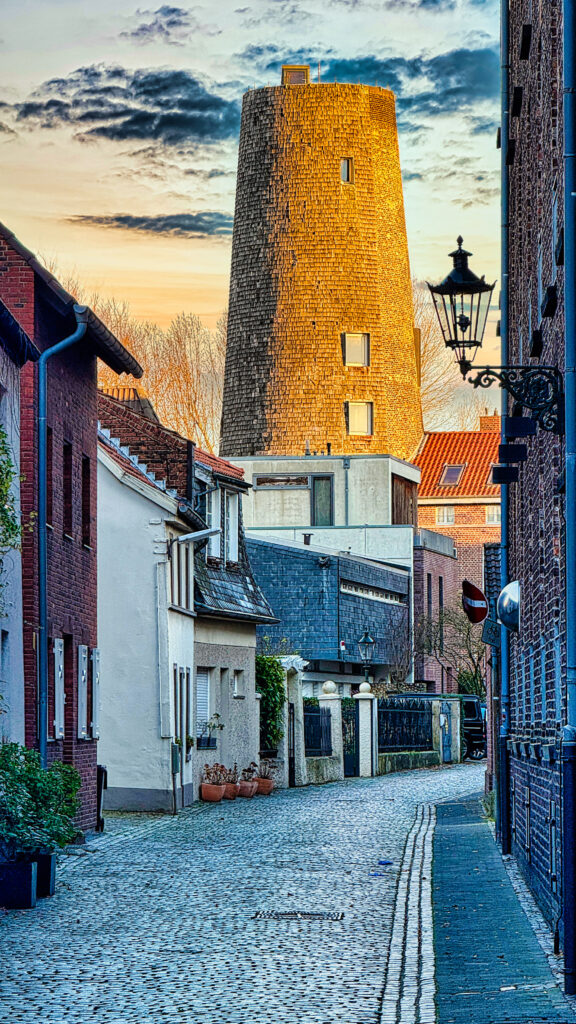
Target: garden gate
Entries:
(350, 741)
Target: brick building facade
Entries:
(437, 585)
(321, 342)
(456, 496)
(536, 500)
(45, 311)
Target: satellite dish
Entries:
(508, 607)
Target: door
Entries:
(350, 738)
(446, 732)
(291, 747)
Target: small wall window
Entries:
(86, 502)
(49, 476)
(67, 488)
(347, 170)
(280, 480)
(202, 699)
(493, 514)
(429, 594)
(356, 349)
(445, 515)
(231, 526)
(360, 418)
(181, 573)
(451, 476)
(238, 683)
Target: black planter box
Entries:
(18, 885)
(46, 876)
(206, 743)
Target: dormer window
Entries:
(451, 476)
(231, 525)
(213, 521)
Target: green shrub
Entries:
(37, 807)
(310, 702)
(270, 684)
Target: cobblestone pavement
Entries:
(156, 923)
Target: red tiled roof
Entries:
(477, 450)
(218, 465)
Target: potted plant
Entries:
(206, 741)
(265, 777)
(213, 783)
(36, 818)
(231, 784)
(247, 784)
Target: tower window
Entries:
(347, 170)
(295, 74)
(360, 418)
(356, 349)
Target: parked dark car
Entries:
(473, 727)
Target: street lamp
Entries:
(366, 645)
(462, 301)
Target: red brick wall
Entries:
(428, 673)
(72, 415)
(164, 452)
(470, 532)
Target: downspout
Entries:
(569, 734)
(81, 314)
(504, 763)
(346, 465)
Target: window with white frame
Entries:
(231, 526)
(360, 418)
(181, 573)
(213, 517)
(238, 683)
(202, 699)
(356, 349)
(493, 514)
(445, 515)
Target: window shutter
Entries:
(202, 698)
(347, 416)
(95, 694)
(59, 696)
(82, 692)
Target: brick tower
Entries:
(320, 331)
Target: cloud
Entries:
(483, 125)
(6, 131)
(278, 12)
(172, 25)
(436, 6)
(161, 104)
(446, 83)
(211, 224)
(412, 176)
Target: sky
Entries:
(119, 129)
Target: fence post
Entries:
(330, 698)
(367, 730)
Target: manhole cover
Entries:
(296, 915)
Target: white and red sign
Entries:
(474, 602)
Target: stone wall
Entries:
(313, 257)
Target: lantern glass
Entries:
(366, 645)
(462, 301)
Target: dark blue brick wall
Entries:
(303, 589)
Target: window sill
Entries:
(49, 526)
(182, 611)
(68, 536)
(87, 547)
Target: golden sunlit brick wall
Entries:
(314, 257)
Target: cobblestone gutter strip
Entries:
(409, 989)
(538, 922)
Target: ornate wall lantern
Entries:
(462, 301)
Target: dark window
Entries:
(347, 170)
(451, 476)
(86, 502)
(429, 594)
(67, 488)
(441, 611)
(280, 481)
(70, 726)
(322, 511)
(49, 476)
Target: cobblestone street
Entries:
(157, 923)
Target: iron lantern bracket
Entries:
(537, 388)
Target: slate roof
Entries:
(492, 585)
(476, 450)
(232, 593)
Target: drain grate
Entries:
(296, 915)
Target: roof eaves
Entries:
(15, 340)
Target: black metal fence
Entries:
(317, 732)
(404, 723)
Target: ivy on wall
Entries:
(270, 684)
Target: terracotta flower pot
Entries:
(247, 789)
(211, 793)
(230, 790)
(265, 786)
